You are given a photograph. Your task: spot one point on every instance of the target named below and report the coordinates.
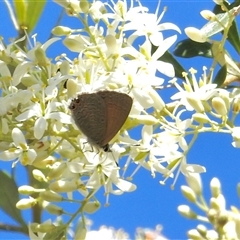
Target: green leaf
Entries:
(214, 27)
(20, 10)
(189, 48)
(233, 34)
(34, 11)
(9, 197)
(233, 37)
(221, 76)
(223, 58)
(28, 12)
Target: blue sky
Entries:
(152, 203)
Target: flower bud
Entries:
(218, 203)
(72, 88)
(27, 190)
(185, 211)
(64, 68)
(196, 34)
(157, 100)
(194, 182)
(214, 204)
(219, 106)
(33, 226)
(208, 15)
(91, 207)
(84, 5)
(195, 103)
(194, 234)
(54, 209)
(121, 6)
(51, 196)
(236, 133)
(201, 118)
(5, 128)
(26, 203)
(45, 227)
(64, 186)
(57, 170)
(224, 95)
(202, 230)
(81, 231)
(215, 186)
(237, 224)
(41, 57)
(222, 219)
(61, 31)
(111, 43)
(74, 43)
(188, 193)
(38, 175)
(212, 213)
(236, 105)
(43, 160)
(28, 80)
(80, 234)
(5, 57)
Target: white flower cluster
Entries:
(224, 222)
(37, 115)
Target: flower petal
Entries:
(62, 117)
(18, 137)
(124, 185)
(8, 156)
(40, 127)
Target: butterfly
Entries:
(100, 115)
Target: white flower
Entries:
(20, 151)
(198, 92)
(180, 162)
(30, 61)
(145, 153)
(147, 24)
(151, 61)
(41, 123)
(128, 74)
(188, 169)
(103, 171)
(12, 98)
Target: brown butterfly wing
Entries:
(118, 106)
(89, 113)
